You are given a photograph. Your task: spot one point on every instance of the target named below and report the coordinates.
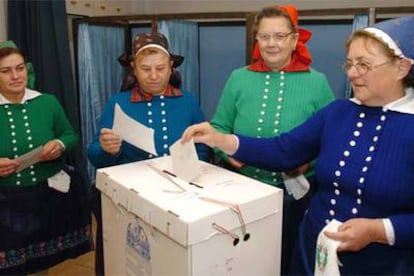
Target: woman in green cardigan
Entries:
(274, 94)
(43, 220)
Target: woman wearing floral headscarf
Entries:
(154, 99)
(275, 93)
(360, 220)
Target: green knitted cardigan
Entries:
(28, 125)
(265, 104)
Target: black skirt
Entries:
(40, 227)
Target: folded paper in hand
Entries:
(29, 158)
(326, 257)
(133, 132)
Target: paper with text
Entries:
(185, 160)
(29, 158)
(133, 132)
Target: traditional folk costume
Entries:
(259, 102)
(364, 169)
(39, 226)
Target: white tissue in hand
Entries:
(326, 257)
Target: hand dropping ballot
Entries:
(185, 160)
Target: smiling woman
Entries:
(379, 71)
(275, 93)
(44, 218)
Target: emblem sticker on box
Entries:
(138, 250)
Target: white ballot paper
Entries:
(185, 160)
(29, 158)
(133, 132)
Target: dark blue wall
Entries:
(222, 49)
(327, 47)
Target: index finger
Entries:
(106, 131)
(338, 236)
(187, 134)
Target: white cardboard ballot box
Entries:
(221, 224)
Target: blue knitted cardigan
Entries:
(168, 116)
(364, 169)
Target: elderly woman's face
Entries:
(276, 41)
(374, 76)
(13, 76)
(153, 72)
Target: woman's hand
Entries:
(206, 134)
(110, 141)
(8, 167)
(235, 163)
(356, 234)
(298, 171)
(51, 151)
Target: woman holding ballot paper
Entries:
(361, 218)
(41, 219)
(155, 102)
(152, 102)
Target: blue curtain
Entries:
(361, 20)
(183, 40)
(100, 75)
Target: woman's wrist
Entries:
(229, 143)
(61, 144)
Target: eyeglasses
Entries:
(361, 67)
(279, 37)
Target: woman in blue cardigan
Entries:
(154, 100)
(365, 160)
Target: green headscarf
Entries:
(30, 69)
(7, 44)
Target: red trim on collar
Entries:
(295, 65)
(139, 95)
